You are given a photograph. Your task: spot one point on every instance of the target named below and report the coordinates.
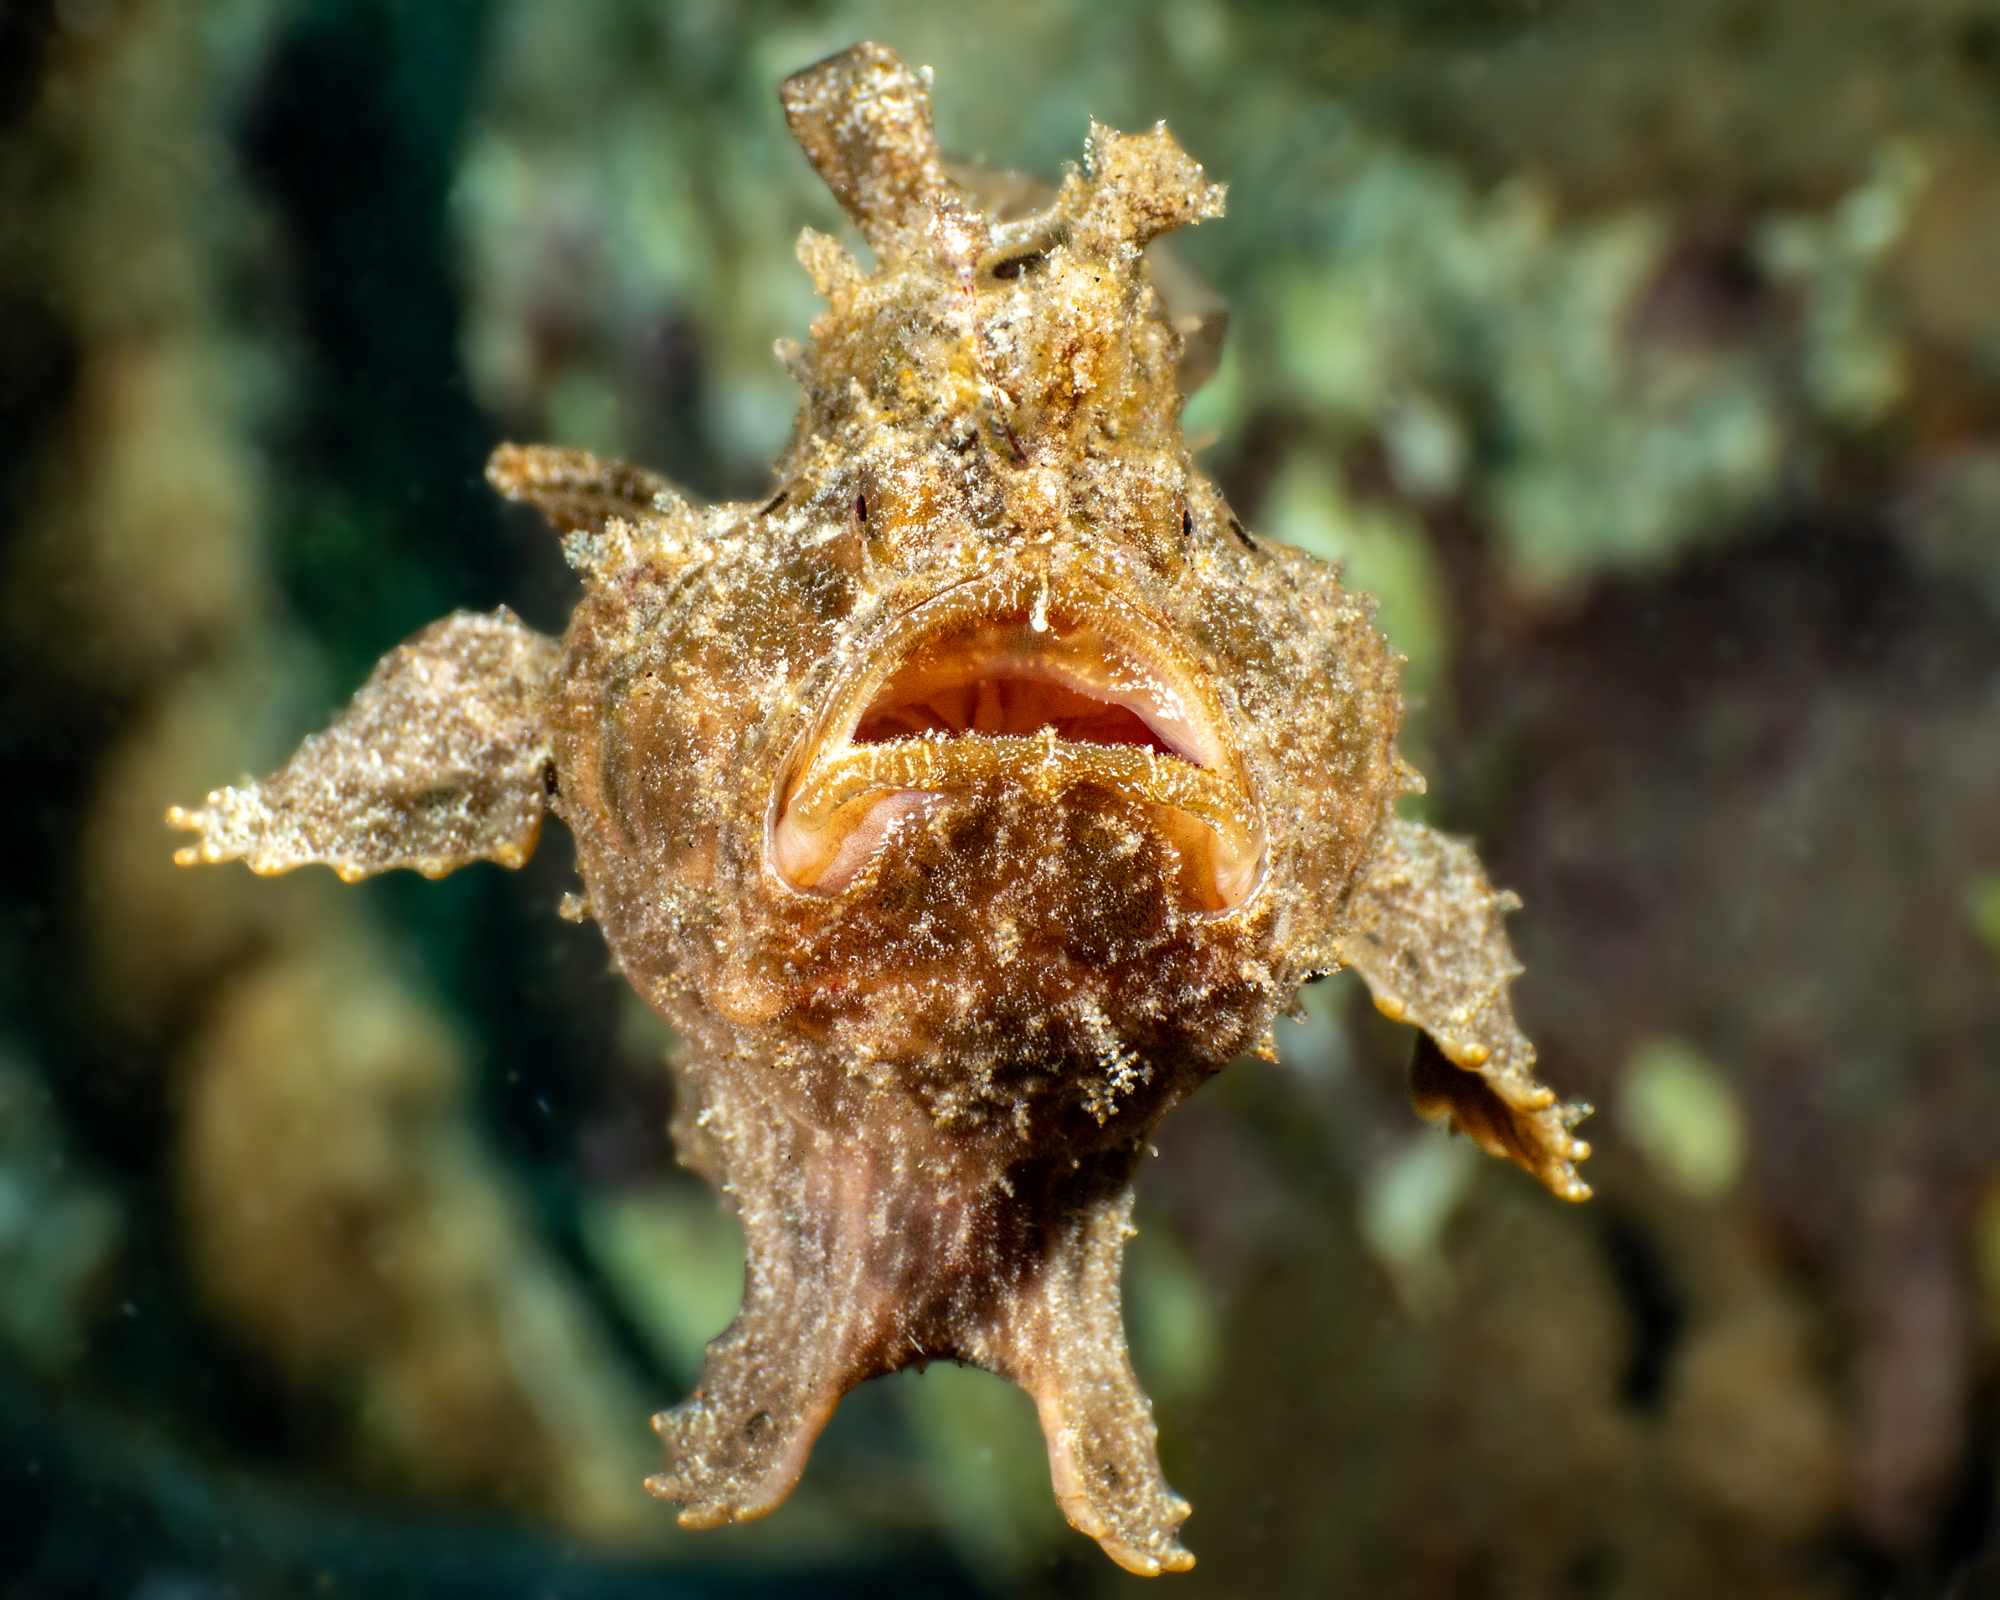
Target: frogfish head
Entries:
(991, 758)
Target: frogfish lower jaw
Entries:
(1015, 678)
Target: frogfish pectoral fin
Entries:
(1425, 930)
(440, 759)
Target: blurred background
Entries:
(1645, 360)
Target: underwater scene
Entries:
(1084, 794)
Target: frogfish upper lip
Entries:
(1048, 682)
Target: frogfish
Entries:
(963, 805)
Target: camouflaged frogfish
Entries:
(963, 806)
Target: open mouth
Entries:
(1017, 680)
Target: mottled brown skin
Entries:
(964, 806)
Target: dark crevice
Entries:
(382, 493)
(1658, 1312)
(27, 39)
(1969, 1536)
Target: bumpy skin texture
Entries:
(965, 806)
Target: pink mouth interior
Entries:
(1007, 702)
(1007, 679)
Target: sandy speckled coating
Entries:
(964, 806)
(437, 761)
